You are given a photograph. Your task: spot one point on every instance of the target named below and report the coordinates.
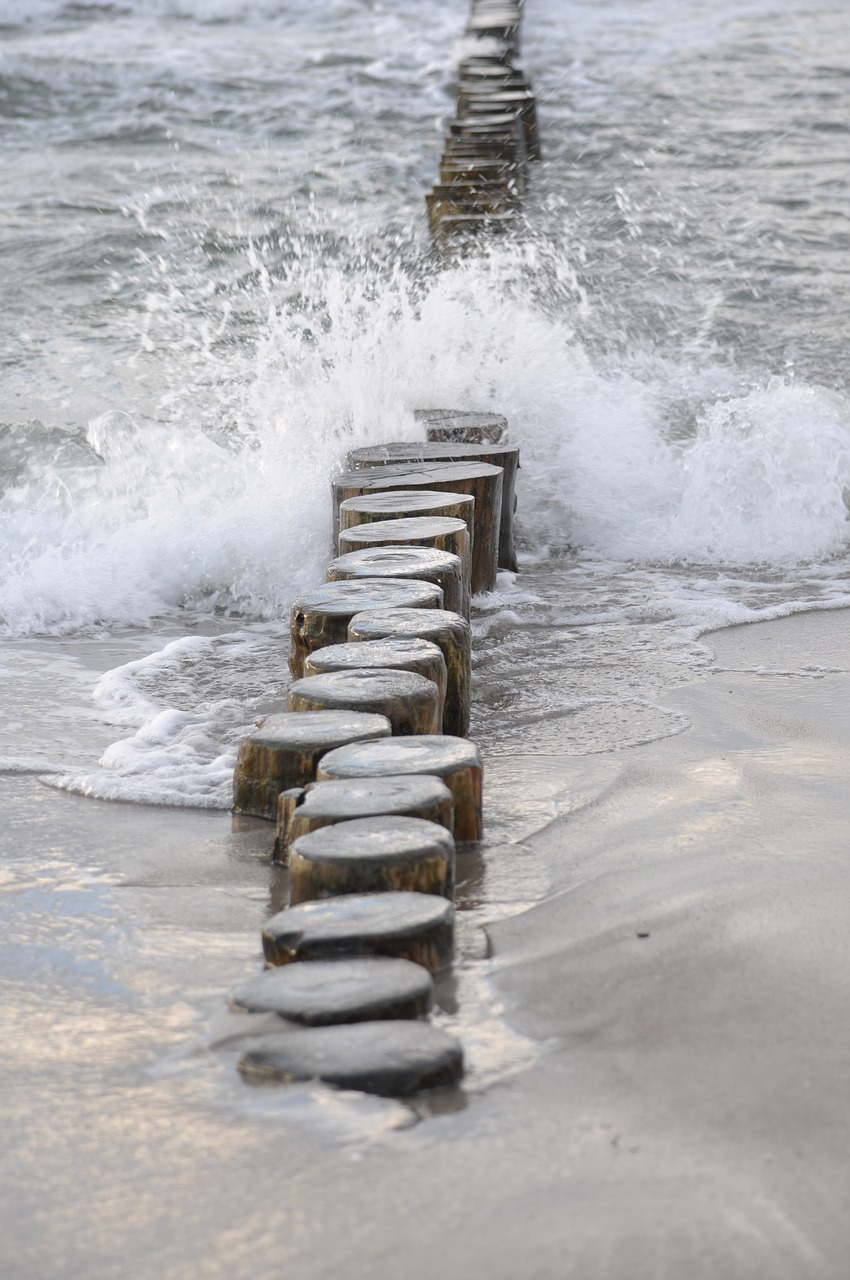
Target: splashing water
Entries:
(130, 519)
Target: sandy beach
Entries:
(663, 1015)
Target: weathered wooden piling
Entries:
(448, 630)
(456, 760)
(475, 165)
(500, 131)
(402, 452)
(285, 749)
(390, 1059)
(480, 479)
(411, 926)
(454, 199)
(398, 504)
(498, 455)
(461, 426)
(457, 232)
(324, 992)
(491, 139)
(443, 533)
(473, 101)
(430, 564)
(321, 615)
(408, 654)
(409, 701)
(323, 803)
(372, 855)
(481, 145)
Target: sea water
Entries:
(217, 280)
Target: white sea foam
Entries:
(255, 321)
(164, 516)
(187, 708)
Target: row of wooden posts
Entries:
(493, 135)
(369, 774)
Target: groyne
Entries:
(493, 136)
(368, 773)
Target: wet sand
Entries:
(676, 1002)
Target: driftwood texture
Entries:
(372, 855)
(321, 615)
(480, 479)
(448, 630)
(430, 564)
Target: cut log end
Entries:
(396, 1060)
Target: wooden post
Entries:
(372, 855)
(492, 137)
(409, 701)
(449, 199)
(321, 615)
(446, 570)
(421, 656)
(285, 749)
(454, 167)
(480, 479)
(448, 630)
(325, 992)
(397, 504)
(323, 803)
(458, 234)
(498, 455)
(461, 427)
(497, 25)
(412, 926)
(456, 760)
(287, 806)
(445, 533)
(390, 1059)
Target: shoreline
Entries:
(683, 1112)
